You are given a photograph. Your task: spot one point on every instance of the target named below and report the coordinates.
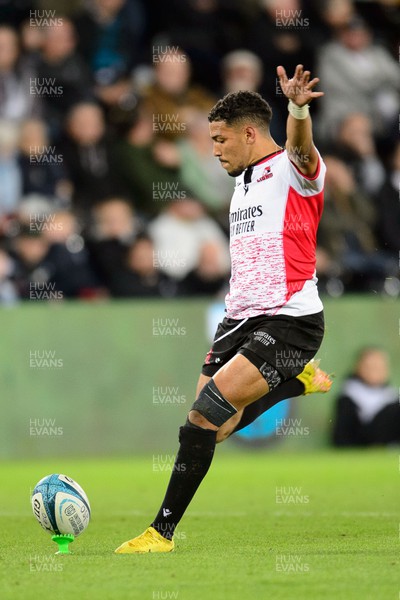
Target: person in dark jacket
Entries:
(367, 412)
(44, 270)
(115, 226)
(87, 154)
(63, 78)
(140, 277)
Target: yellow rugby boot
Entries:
(314, 379)
(149, 541)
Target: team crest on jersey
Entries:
(267, 174)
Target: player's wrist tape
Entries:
(213, 406)
(298, 112)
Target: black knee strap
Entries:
(213, 406)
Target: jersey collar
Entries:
(249, 170)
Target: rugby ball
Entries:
(60, 505)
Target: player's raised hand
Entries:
(298, 89)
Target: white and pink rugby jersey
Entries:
(274, 216)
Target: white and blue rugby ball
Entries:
(60, 505)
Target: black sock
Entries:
(192, 462)
(288, 389)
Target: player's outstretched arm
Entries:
(299, 91)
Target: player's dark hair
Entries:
(241, 107)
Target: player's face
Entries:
(230, 147)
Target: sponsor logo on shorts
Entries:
(264, 338)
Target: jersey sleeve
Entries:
(303, 184)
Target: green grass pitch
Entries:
(316, 525)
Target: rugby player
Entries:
(264, 348)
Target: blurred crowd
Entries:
(108, 186)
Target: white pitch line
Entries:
(308, 513)
(278, 513)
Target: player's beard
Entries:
(236, 172)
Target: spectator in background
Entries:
(31, 40)
(171, 93)
(383, 17)
(62, 227)
(148, 167)
(63, 232)
(210, 275)
(198, 169)
(207, 29)
(63, 7)
(241, 70)
(16, 101)
(57, 267)
(41, 167)
(180, 232)
(29, 251)
(63, 79)
(346, 231)
(388, 224)
(12, 12)
(10, 174)
(87, 153)
(140, 277)
(357, 73)
(276, 40)
(110, 34)
(334, 15)
(8, 290)
(367, 411)
(33, 210)
(355, 145)
(114, 229)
